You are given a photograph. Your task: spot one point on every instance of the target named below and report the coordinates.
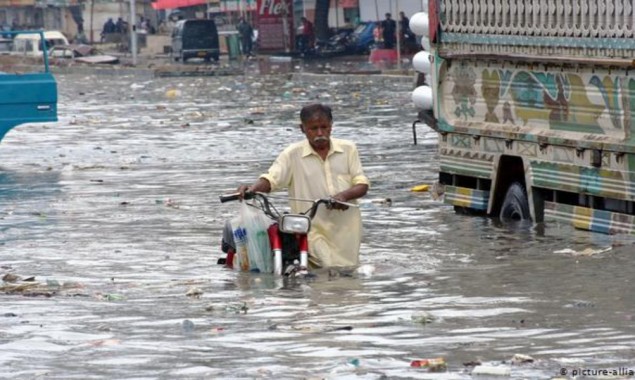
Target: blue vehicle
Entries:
(362, 39)
(27, 97)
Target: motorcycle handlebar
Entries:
(234, 197)
(266, 208)
(229, 197)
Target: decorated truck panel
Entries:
(533, 101)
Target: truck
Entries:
(533, 104)
(28, 91)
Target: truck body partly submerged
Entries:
(533, 101)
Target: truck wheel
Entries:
(515, 206)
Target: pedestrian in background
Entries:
(121, 26)
(246, 32)
(404, 25)
(377, 34)
(307, 37)
(389, 28)
(109, 28)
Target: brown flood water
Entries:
(114, 210)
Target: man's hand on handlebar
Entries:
(260, 186)
(242, 189)
(335, 205)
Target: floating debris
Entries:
(490, 370)
(433, 365)
(194, 292)
(422, 317)
(584, 252)
(420, 188)
(521, 359)
(10, 277)
(112, 297)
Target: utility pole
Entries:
(133, 32)
(92, 12)
(399, 34)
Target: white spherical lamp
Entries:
(422, 97)
(419, 23)
(421, 62)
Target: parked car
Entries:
(195, 39)
(81, 53)
(31, 43)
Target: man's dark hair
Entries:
(313, 110)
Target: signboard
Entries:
(344, 4)
(238, 5)
(274, 21)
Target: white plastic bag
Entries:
(253, 251)
(241, 258)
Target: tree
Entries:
(322, 19)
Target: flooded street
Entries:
(114, 211)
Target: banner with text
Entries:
(274, 21)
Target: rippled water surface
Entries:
(114, 211)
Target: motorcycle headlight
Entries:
(295, 224)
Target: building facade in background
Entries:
(71, 16)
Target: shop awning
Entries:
(173, 4)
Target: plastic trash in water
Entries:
(521, 359)
(172, 93)
(434, 364)
(584, 252)
(366, 270)
(112, 297)
(422, 317)
(194, 292)
(420, 188)
(490, 370)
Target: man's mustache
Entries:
(320, 139)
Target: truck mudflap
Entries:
(466, 198)
(584, 218)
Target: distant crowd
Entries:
(143, 25)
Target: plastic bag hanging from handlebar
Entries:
(253, 250)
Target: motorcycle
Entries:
(335, 45)
(288, 234)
